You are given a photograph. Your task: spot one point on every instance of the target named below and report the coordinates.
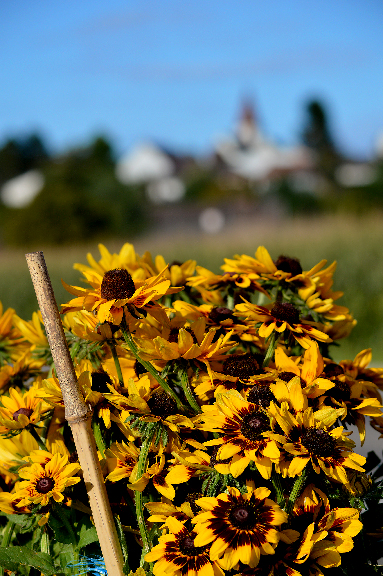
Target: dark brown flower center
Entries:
(318, 442)
(26, 411)
(253, 424)
(45, 485)
(240, 365)
(219, 314)
(291, 265)
(285, 312)
(162, 405)
(186, 545)
(73, 457)
(139, 369)
(341, 391)
(332, 370)
(260, 394)
(286, 376)
(244, 517)
(117, 284)
(100, 379)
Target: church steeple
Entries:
(247, 128)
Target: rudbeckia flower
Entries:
(47, 480)
(308, 438)
(284, 268)
(177, 272)
(158, 474)
(178, 554)
(112, 291)
(238, 527)
(359, 370)
(244, 428)
(121, 459)
(12, 451)
(32, 331)
(15, 374)
(358, 398)
(161, 511)
(329, 532)
(11, 340)
(21, 410)
(10, 504)
(126, 258)
(308, 369)
(193, 344)
(281, 317)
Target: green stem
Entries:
(297, 487)
(270, 350)
(6, 540)
(122, 539)
(98, 437)
(276, 481)
(32, 430)
(117, 364)
(44, 542)
(148, 366)
(188, 392)
(141, 468)
(230, 301)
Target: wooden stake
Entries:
(78, 415)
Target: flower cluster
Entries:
(222, 421)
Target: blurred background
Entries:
(196, 130)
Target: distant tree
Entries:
(81, 201)
(20, 155)
(317, 135)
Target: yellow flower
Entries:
(10, 504)
(357, 397)
(210, 284)
(46, 479)
(112, 291)
(12, 451)
(19, 371)
(308, 438)
(358, 368)
(178, 554)
(11, 341)
(126, 258)
(331, 531)
(193, 344)
(244, 428)
(121, 459)
(281, 317)
(177, 272)
(309, 370)
(238, 527)
(161, 511)
(21, 410)
(161, 479)
(32, 331)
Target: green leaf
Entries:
(87, 536)
(19, 519)
(12, 557)
(61, 526)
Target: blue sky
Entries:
(176, 72)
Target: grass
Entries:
(356, 243)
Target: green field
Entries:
(356, 244)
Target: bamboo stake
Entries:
(78, 415)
